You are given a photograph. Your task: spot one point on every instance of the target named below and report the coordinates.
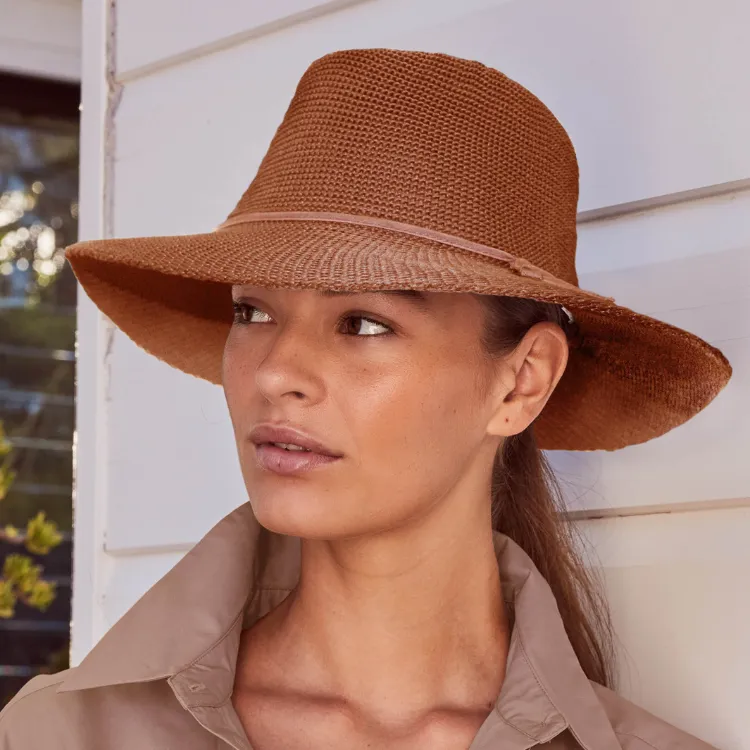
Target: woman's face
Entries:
(393, 390)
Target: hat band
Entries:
(518, 265)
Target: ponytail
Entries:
(528, 507)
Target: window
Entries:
(38, 218)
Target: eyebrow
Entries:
(419, 299)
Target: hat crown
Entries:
(429, 140)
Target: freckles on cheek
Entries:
(238, 376)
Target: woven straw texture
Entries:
(437, 143)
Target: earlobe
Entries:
(507, 410)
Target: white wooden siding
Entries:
(41, 38)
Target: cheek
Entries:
(237, 370)
(415, 424)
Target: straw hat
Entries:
(411, 170)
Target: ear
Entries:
(530, 373)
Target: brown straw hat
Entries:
(411, 170)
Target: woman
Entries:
(393, 311)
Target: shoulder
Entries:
(20, 719)
(637, 729)
(38, 691)
(122, 715)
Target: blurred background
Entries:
(180, 99)
(39, 175)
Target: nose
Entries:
(290, 370)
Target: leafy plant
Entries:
(21, 577)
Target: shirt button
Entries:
(196, 687)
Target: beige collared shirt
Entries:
(162, 677)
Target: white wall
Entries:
(41, 38)
(654, 96)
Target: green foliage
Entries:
(21, 579)
(7, 475)
(7, 599)
(41, 535)
(5, 446)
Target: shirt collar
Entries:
(186, 629)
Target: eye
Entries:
(358, 325)
(245, 314)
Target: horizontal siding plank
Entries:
(140, 45)
(41, 38)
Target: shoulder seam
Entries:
(4, 719)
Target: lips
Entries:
(289, 452)
(291, 439)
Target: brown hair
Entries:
(528, 506)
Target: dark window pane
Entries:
(38, 219)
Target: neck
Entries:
(402, 622)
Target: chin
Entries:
(301, 513)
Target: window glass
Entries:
(38, 218)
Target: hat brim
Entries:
(631, 379)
